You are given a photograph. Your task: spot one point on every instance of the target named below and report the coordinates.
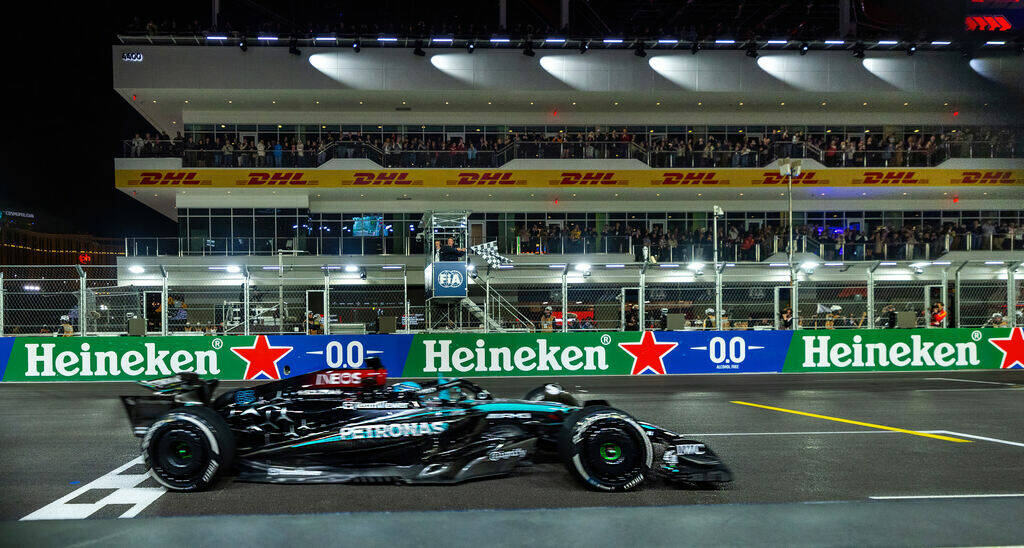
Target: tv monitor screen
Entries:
(369, 225)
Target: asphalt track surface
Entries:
(57, 438)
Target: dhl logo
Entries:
(805, 178)
(985, 178)
(276, 178)
(603, 178)
(169, 178)
(382, 178)
(688, 178)
(485, 179)
(889, 178)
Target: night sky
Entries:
(64, 125)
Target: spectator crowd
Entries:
(658, 244)
(493, 150)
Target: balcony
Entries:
(592, 150)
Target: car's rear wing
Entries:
(171, 392)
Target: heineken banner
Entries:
(265, 357)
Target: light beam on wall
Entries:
(456, 65)
(681, 70)
(1008, 71)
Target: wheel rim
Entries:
(610, 452)
(180, 453)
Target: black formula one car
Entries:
(350, 426)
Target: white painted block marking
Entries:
(125, 492)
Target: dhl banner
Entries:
(496, 178)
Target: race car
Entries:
(337, 426)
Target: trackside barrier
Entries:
(261, 357)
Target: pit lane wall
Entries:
(41, 359)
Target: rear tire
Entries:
(605, 449)
(186, 449)
(552, 392)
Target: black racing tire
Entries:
(605, 449)
(186, 449)
(557, 394)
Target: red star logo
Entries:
(648, 354)
(261, 358)
(1012, 348)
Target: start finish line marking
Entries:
(125, 492)
(858, 423)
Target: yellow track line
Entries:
(848, 421)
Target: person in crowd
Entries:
(996, 320)
(938, 315)
(887, 319)
(786, 318)
(313, 324)
(450, 252)
(278, 153)
(633, 318)
(834, 317)
(547, 320)
(66, 329)
(137, 145)
(709, 322)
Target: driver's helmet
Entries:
(709, 311)
(406, 386)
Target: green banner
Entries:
(519, 354)
(121, 358)
(896, 350)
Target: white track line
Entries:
(791, 433)
(125, 492)
(982, 496)
(968, 380)
(983, 438)
(962, 389)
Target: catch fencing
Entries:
(325, 299)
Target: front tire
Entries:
(605, 449)
(186, 449)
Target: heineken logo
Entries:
(441, 356)
(820, 352)
(43, 361)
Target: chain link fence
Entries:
(313, 299)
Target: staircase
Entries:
(478, 313)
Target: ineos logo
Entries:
(449, 278)
(131, 57)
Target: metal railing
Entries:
(752, 249)
(654, 156)
(275, 299)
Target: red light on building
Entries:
(84, 258)
(956, 113)
(956, 199)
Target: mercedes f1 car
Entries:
(351, 426)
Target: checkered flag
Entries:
(489, 252)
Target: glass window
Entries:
(241, 227)
(220, 227)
